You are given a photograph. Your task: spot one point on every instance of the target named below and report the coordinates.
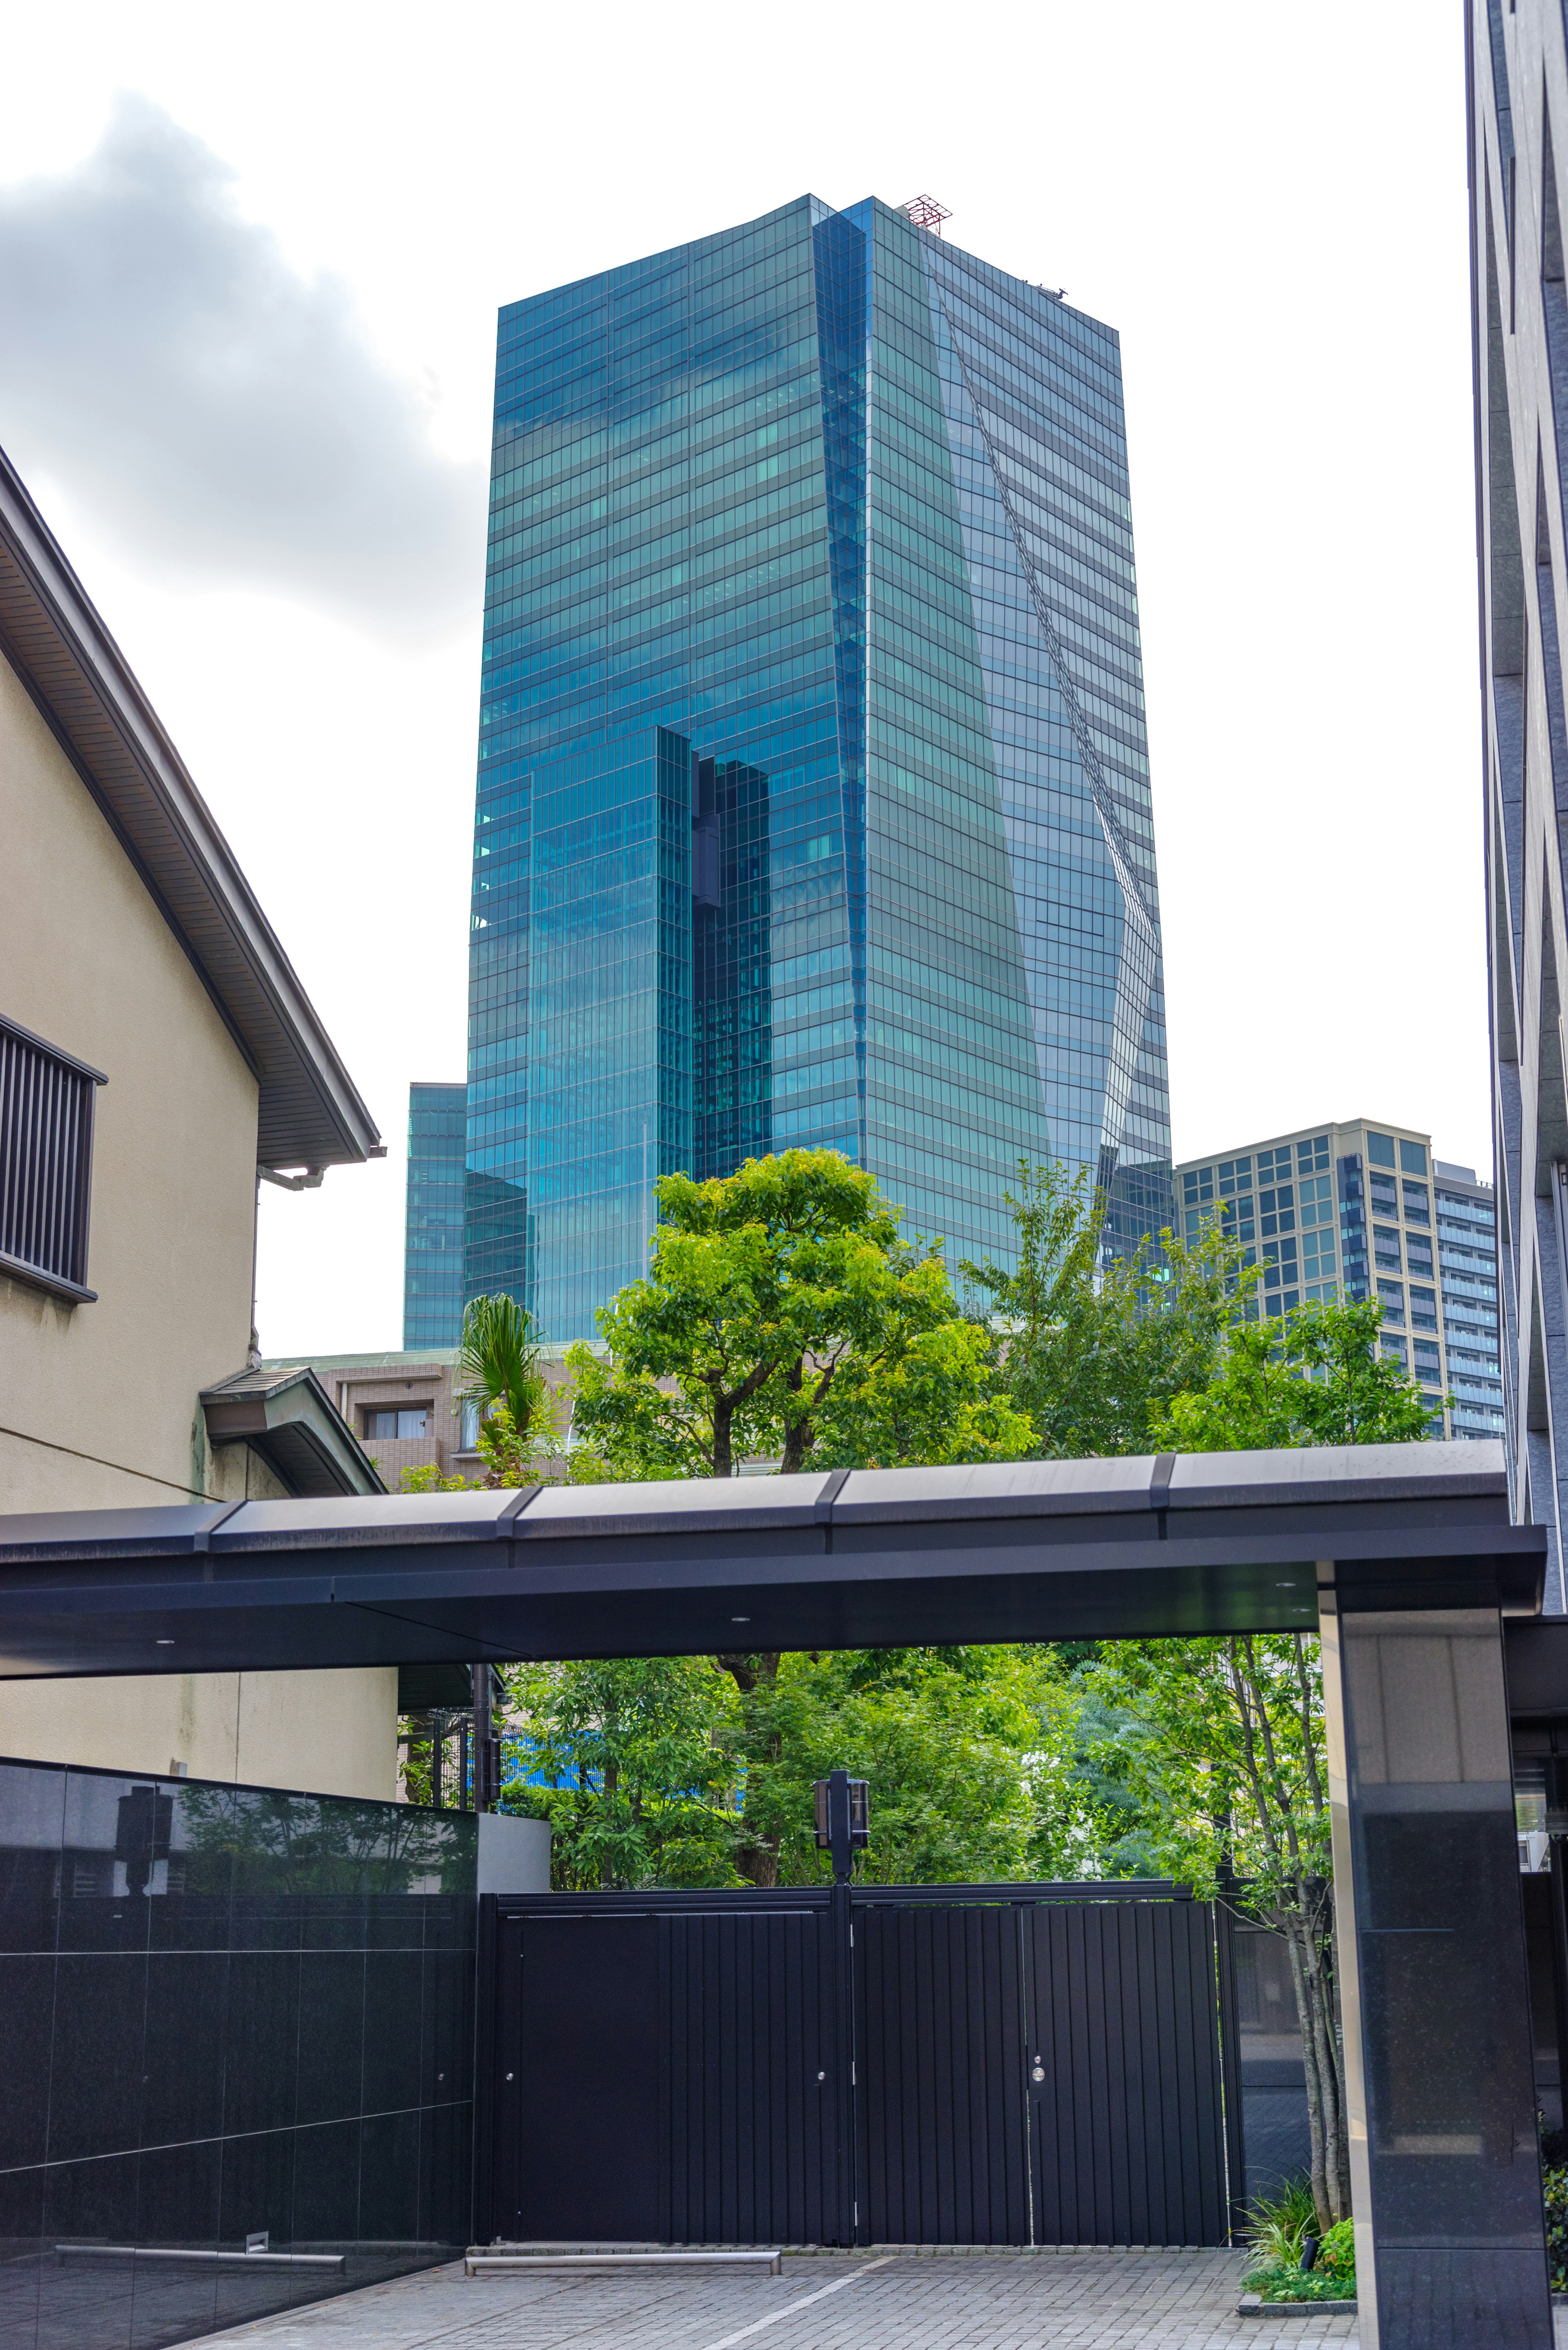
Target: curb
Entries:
(484, 2264)
(1252, 2304)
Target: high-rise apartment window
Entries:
(1423, 1307)
(1386, 1247)
(46, 1162)
(1277, 1209)
(1413, 1158)
(1380, 1149)
(1393, 1295)
(1416, 1208)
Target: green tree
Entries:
(427, 1479)
(1215, 1747)
(785, 1317)
(1092, 1347)
(1314, 1377)
(626, 1760)
(951, 1739)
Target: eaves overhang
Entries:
(1205, 1544)
(310, 1113)
(290, 1420)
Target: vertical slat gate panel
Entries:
(1125, 2139)
(943, 2158)
(682, 2092)
(752, 2145)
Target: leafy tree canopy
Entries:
(1314, 1377)
(626, 1758)
(1092, 1347)
(784, 1315)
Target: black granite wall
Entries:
(1276, 2137)
(223, 2012)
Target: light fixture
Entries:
(739, 1619)
(165, 1644)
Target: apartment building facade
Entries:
(1360, 1210)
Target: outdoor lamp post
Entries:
(843, 1807)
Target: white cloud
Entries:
(226, 419)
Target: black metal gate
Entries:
(886, 2064)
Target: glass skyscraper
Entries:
(432, 1230)
(813, 801)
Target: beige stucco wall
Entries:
(98, 1404)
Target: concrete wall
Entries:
(332, 1733)
(98, 1404)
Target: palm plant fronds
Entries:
(498, 1360)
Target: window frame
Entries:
(69, 1285)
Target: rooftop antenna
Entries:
(925, 213)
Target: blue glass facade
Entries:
(813, 790)
(432, 1231)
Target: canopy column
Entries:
(1445, 2162)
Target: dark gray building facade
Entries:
(1518, 74)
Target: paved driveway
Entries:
(1042, 2301)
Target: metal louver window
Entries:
(46, 1162)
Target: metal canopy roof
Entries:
(1026, 1551)
(310, 1114)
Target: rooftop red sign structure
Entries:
(925, 213)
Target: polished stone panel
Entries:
(1445, 2165)
(226, 2010)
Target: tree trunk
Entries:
(756, 1859)
(724, 1422)
(1323, 2058)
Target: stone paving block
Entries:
(928, 2298)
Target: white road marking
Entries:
(777, 2317)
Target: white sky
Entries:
(1268, 203)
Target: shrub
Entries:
(1336, 2253)
(1277, 2228)
(1554, 2193)
(1278, 2224)
(1300, 2284)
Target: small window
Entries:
(406, 1421)
(47, 1101)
